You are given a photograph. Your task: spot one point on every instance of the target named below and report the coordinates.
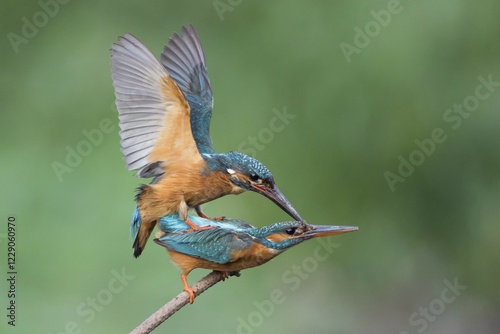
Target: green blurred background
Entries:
(352, 122)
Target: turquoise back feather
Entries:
(215, 244)
(218, 243)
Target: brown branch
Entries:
(167, 310)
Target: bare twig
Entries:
(167, 310)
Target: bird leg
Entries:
(194, 227)
(200, 213)
(224, 275)
(188, 289)
(234, 273)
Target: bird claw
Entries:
(194, 227)
(200, 228)
(234, 273)
(202, 215)
(191, 293)
(224, 275)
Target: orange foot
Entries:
(191, 293)
(234, 273)
(194, 227)
(224, 275)
(202, 215)
(188, 289)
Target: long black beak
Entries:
(277, 197)
(326, 230)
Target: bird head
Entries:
(283, 235)
(247, 173)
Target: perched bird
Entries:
(232, 245)
(165, 112)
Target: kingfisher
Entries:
(232, 245)
(164, 116)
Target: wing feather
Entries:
(215, 244)
(184, 60)
(153, 113)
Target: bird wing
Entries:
(184, 60)
(215, 244)
(154, 116)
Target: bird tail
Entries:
(141, 231)
(142, 237)
(136, 223)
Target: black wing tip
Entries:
(137, 249)
(137, 253)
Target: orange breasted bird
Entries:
(232, 245)
(165, 111)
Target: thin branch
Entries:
(167, 310)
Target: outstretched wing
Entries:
(155, 127)
(215, 244)
(185, 62)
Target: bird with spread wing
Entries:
(164, 115)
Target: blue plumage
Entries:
(136, 223)
(164, 139)
(240, 162)
(184, 60)
(232, 245)
(217, 244)
(173, 223)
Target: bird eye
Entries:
(254, 177)
(290, 231)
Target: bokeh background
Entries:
(354, 116)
